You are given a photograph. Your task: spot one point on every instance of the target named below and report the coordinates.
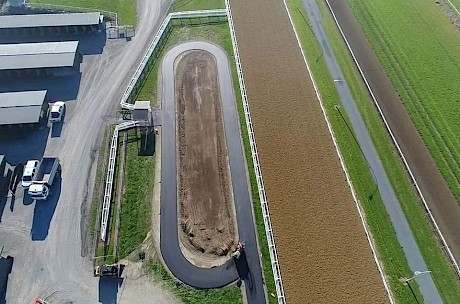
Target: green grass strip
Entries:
(136, 204)
(419, 49)
(188, 295)
(126, 9)
(384, 237)
(196, 5)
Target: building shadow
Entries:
(60, 88)
(14, 182)
(6, 264)
(146, 143)
(44, 211)
(88, 44)
(108, 289)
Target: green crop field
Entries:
(390, 252)
(126, 9)
(420, 51)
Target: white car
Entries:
(57, 110)
(29, 172)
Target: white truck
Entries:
(48, 171)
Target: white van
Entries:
(29, 172)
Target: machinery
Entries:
(106, 271)
(239, 250)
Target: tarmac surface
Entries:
(47, 239)
(392, 205)
(248, 267)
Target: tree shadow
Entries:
(108, 289)
(44, 211)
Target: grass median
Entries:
(391, 255)
(196, 5)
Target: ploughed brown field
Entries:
(323, 251)
(204, 182)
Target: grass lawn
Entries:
(390, 252)
(219, 34)
(419, 49)
(135, 207)
(195, 5)
(226, 295)
(126, 9)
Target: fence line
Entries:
(255, 157)
(406, 164)
(125, 105)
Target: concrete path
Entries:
(181, 268)
(397, 217)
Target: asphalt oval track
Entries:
(180, 267)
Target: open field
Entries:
(204, 183)
(426, 78)
(313, 220)
(440, 200)
(126, 9)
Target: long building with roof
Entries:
(50, 24)
(20, 108)
(37, 59)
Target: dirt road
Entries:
(58, 263)
(206, 211)
(323, 252)
(437, 194)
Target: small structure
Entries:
(20, 108)
(36, 59)
(50, 24)
(142, 111)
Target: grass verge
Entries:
(138, 191)
(418, 48)
(196, 5)
(219, 34)
(126, 9)
(230, 295)
(391, 255)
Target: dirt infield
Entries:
(206, 215)
(323, 252)
(437, 194)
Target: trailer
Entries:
(47, 172)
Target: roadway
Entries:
(392, 205)
(48, 239)
(180, 267)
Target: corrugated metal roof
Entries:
(21, 107)
(37, 20)
(37, 55)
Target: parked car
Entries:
(57, 111)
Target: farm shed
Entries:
(36, 59)
(50, 24)
(22, 107)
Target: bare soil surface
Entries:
(204, 181)
(437, 194)
(322, 248)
